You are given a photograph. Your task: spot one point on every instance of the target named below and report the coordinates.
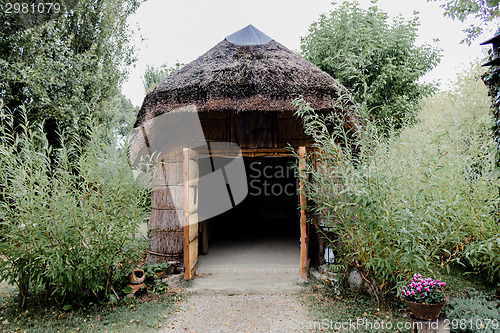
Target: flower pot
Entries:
(136, 277)
(136, 287)
(425, 311)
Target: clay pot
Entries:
(136, 287)
(136, 280)
(425, 311)
(136, 277)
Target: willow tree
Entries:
(377, 59)
(64, 68)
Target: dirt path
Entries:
(210, 312)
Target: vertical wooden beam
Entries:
(303, 222)
(274, 128)
(185, 169)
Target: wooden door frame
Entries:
(189, 269)
(190, 265)
(303, 219)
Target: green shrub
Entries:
(155, 284)
(151, 270)
(415, 203)
(473, 314)
(67, 214)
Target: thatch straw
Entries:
(238, 78)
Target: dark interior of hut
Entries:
(268, 215)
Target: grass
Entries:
(142, 314)
(334, 311)
(460, 284)
(330, 306)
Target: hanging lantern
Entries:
(329, 255)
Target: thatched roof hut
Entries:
(241, 92)
(247, 71)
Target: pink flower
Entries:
(422, 286)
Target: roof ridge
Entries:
(249, 35)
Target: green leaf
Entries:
(127, 289)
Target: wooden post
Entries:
(185, 177)
(190, 212)
(303, 221)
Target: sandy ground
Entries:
(244, 285)
(218, 313)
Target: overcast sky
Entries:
(181, 31)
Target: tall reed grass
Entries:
(416, 203)
(67, 214)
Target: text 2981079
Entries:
(32, 8)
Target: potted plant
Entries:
(424, 297)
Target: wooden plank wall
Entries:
(164, 223)
(254, 129)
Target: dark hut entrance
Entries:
(262, 233)
(241, 91)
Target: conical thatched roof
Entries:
(247, 71)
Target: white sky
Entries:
(181, 31)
